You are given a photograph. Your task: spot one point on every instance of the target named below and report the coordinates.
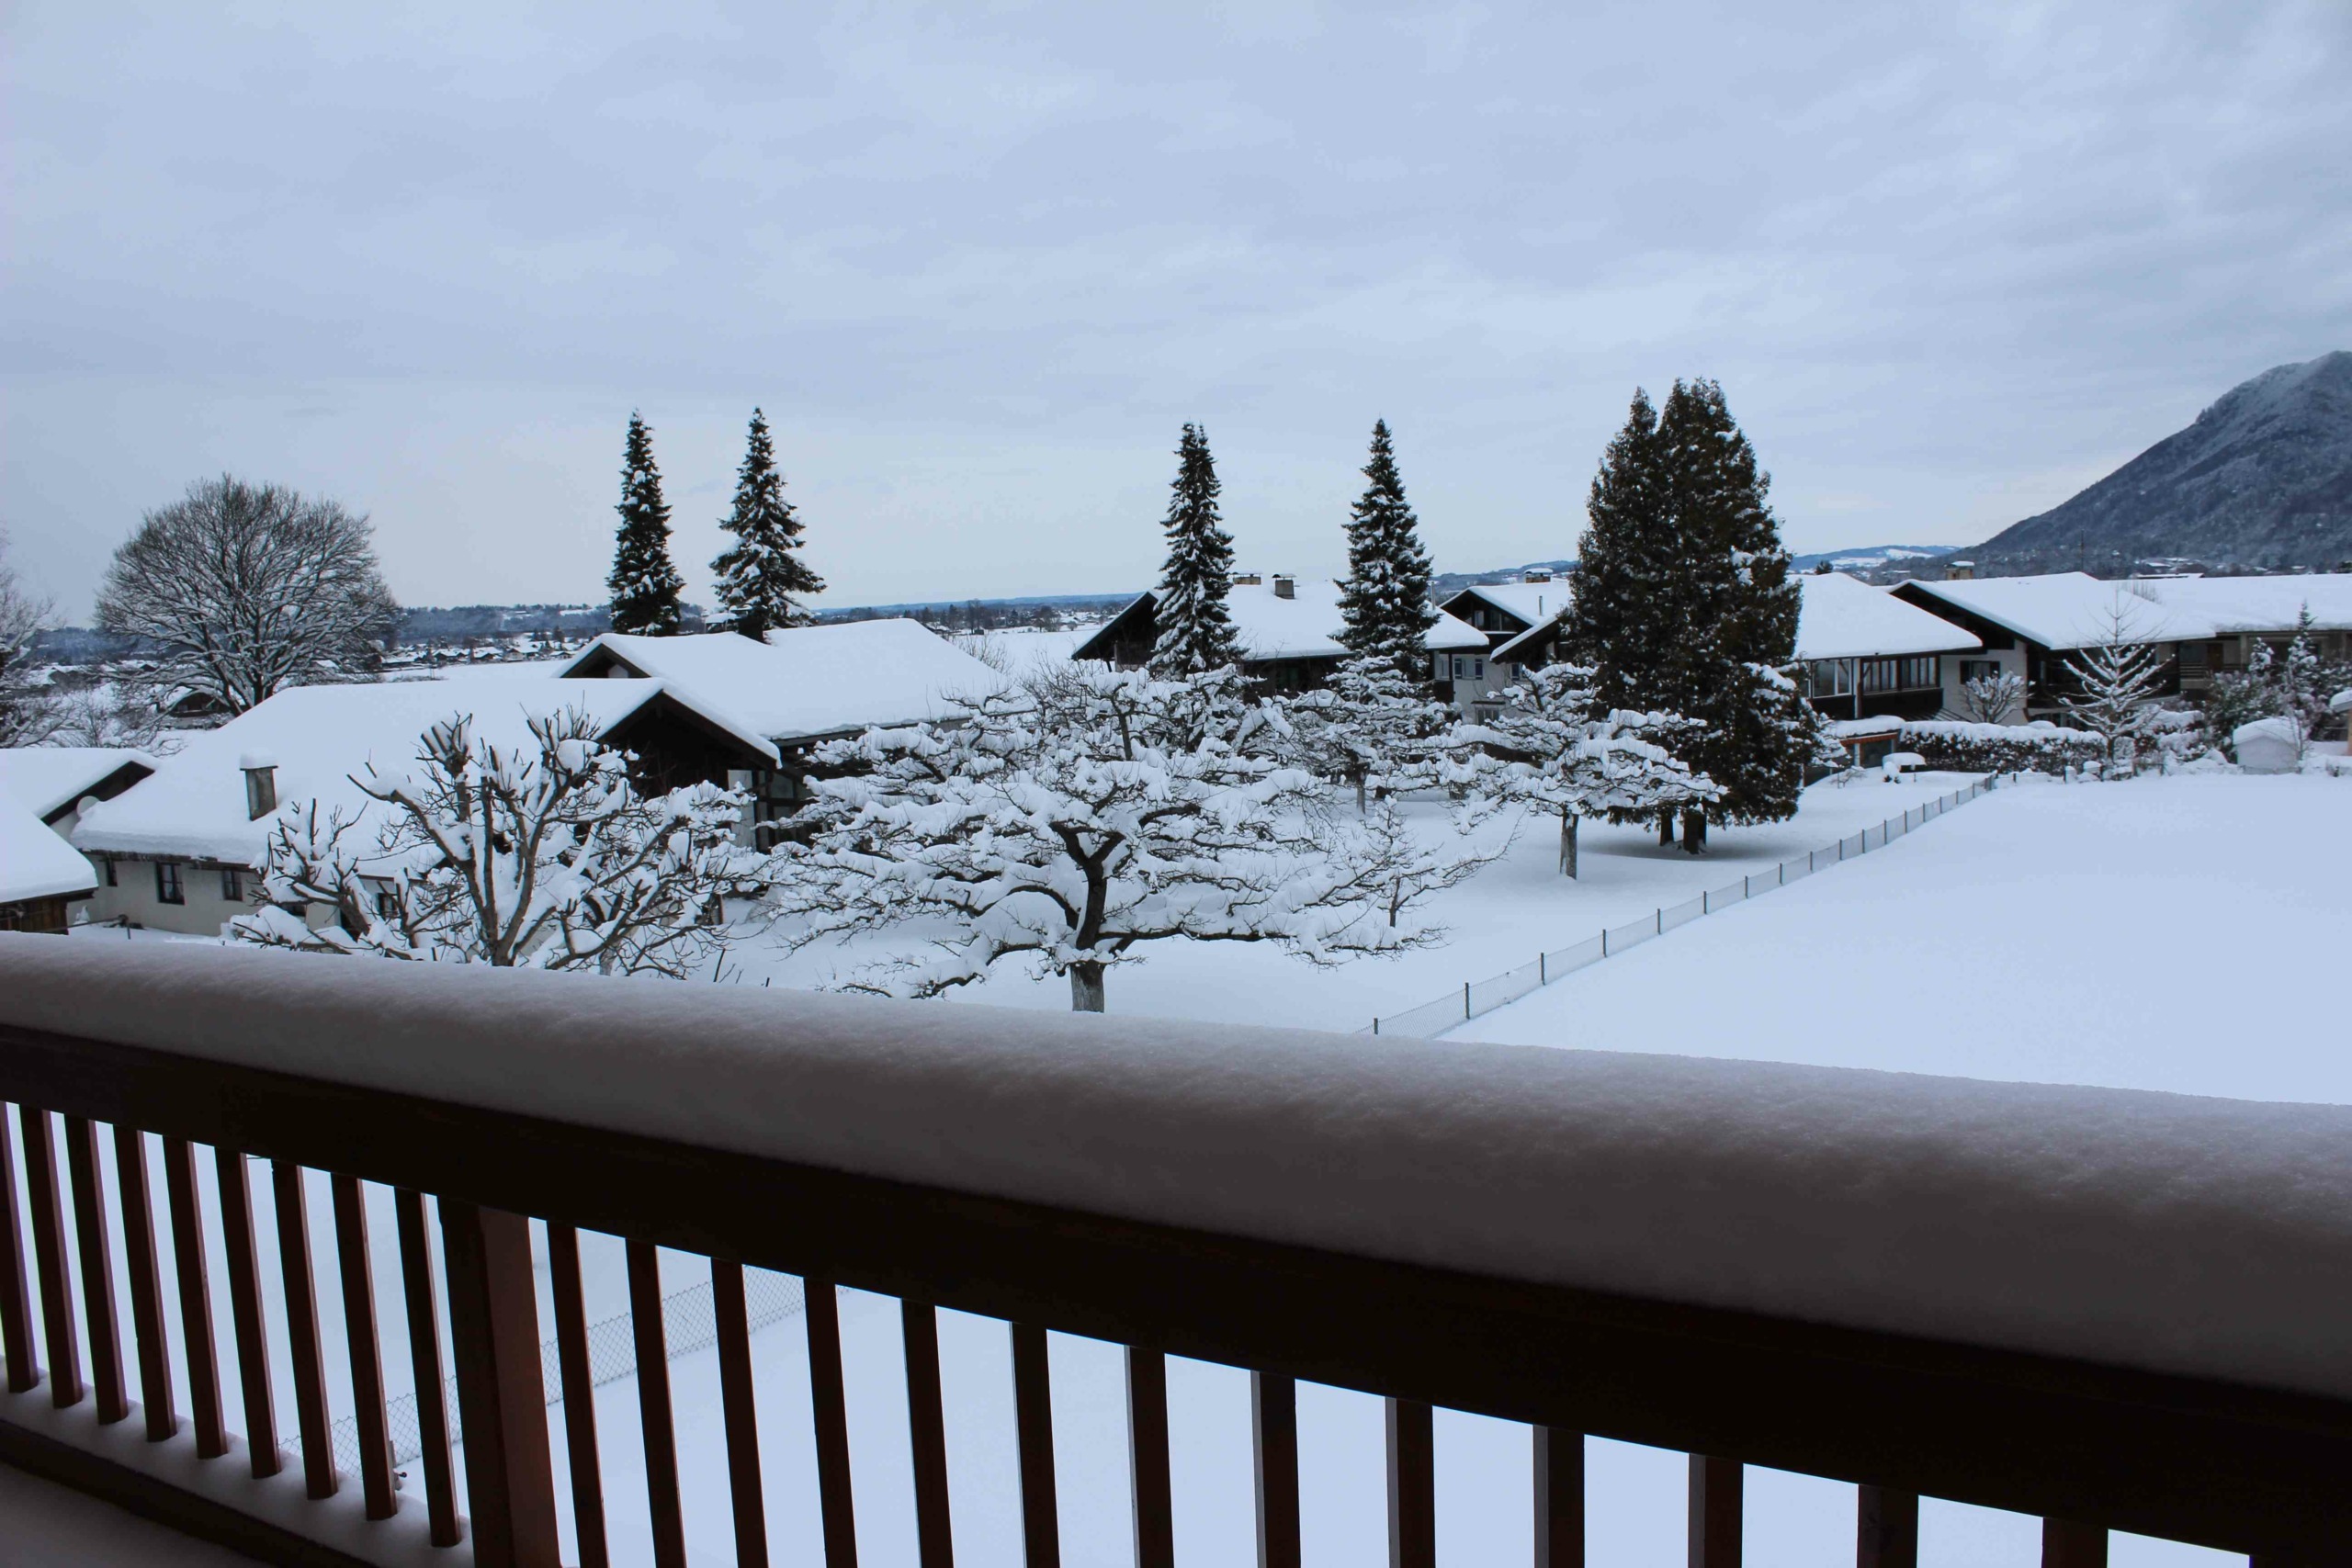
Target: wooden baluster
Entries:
(425, 1369)
(494, 1339)
(244, 1311)
(1886, 1532)
(302, 1330)
(43, 1194)
(654, 1405)
(196, 1299)
(1715, 1522)
(366, 1358)
(1412, 1484)
(97, 1270)
(2066, 1544)
(731, 1319)
(578, 1396)
(146, 1283)
(15, 1301)
(927, 1434)
(1033, 1420)
(831, 1421)
(1148, 1458)
(1559, 1498)
(1273, 1409)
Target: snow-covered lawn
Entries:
(1498, 920)
(2186, 934)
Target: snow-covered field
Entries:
(2186, 934)
(1498, 920)
(2183, 934)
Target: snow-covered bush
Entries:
(1553, 748)
(1992, 699)
(1084, 817)
(549, 860)
(1373, 728)
(1955, 745)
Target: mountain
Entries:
(2263, 478)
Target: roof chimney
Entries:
(1958, 570)
(1285, 586)
(261, 785)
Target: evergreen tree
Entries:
(1732, 593)
(762, 581)
(1375, 726)
(645, 585)
(1385, 600)
(1196, 633)
(1618, 623)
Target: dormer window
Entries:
(261, 786)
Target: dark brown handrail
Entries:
(2223, 1464)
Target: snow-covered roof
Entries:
(1843, 617)
(2068, 609)
(811, 679)
(1531, 602)
(43, 778)
(317, 737)
(1307, 625)
(34, 862)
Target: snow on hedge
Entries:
(2202, 1237)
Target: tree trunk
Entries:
(1568, 845)
(1694, 831)
(1360, 806)
(1666, 828)
(1086, 987)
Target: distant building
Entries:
(40, 876)
(1289, 628)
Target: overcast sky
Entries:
(1950, 261)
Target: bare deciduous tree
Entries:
(2118, 675)
(1991, 699)
(27, 715)
(249, 589)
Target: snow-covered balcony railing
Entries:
(2115, 1310)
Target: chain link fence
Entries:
(689, 1323)
(1434, 1018)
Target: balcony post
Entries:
(494, 1339)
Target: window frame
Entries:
(170, 887)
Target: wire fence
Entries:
(1434, 1018)
(689, 1323)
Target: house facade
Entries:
(180, 850)
(1288, 628)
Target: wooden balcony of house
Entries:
(2113, 1310)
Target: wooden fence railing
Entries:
(2088, 1446)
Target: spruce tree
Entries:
(1736, 600)
(1622, 622)
(1196, 633)
(645, 585)
(1384, 603)
(762, 581)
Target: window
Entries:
(1830, 678)
(387, 905)
(1979, 669)
(232, 884)
(108, 863)
(167, 883)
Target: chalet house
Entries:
(1289, 631)
(1863, 653)
(1507, 613)
(2200, 627)
(802, 686)
(41, 877)
(179, 851)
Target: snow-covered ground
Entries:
(1498, 920)
(2185, 934)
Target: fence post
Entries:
(1541, 976)
(1661, 921)
(1466, 1001)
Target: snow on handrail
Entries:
(1433, 1018)
(2174, 1234)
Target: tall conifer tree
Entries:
(1385, 601)
(763, 583)
(1622, 622)
(1195, 632)
(645, 585)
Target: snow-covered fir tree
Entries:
(1384, 603)
(2118, 676)
(1553, 748)
(645, 583)
(1194, 629)
(542, 857)
(1077, 821)
(1373, 728)
(1623, 622)
(762, 582)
